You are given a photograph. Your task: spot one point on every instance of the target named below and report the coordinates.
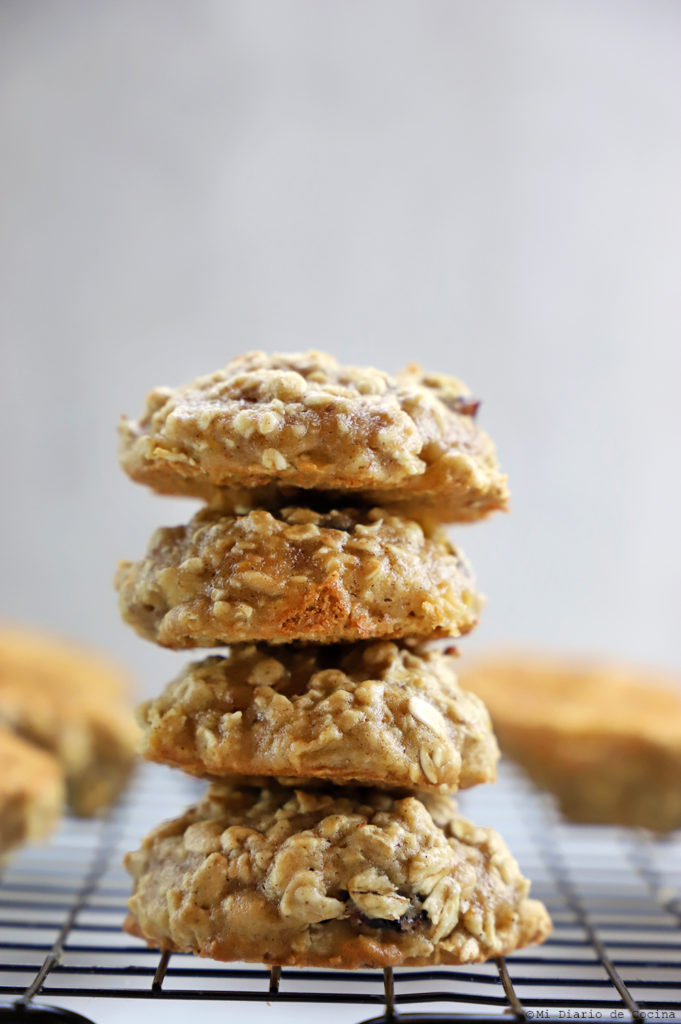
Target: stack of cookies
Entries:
(332, 730)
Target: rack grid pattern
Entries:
(613, 896)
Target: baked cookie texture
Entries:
(302, 420)
(297, 575)
(377, 713)
(31, 793)
(341, 879)
(73, 704)
(605, 739)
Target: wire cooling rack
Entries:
(613, 894)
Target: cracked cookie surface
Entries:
(297, 575)
(376, 714)
(31, 793)
(342, 879)
(302, 420)
(605, 739)
(73, 704)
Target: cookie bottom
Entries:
(341, 879)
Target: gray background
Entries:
(491, 188)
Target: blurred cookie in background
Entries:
(31, 793)
(603, 737)
(74, 704)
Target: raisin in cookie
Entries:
(298, 575)
(31, 793)
(605, 739)
(378, 714)
(340, 879)
(73, 703)
(302, 420)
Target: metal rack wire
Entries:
(613, 895)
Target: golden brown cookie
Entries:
(74, 704)
(605, 739)
(340, 879)
(31, 793)
(378, 714)
(296, 575)
(302, 420)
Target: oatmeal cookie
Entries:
(340, 879)
(296, 575)
(31, 793)
(302, 420)
(72, 703)
(378, 714)
(605, 739)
